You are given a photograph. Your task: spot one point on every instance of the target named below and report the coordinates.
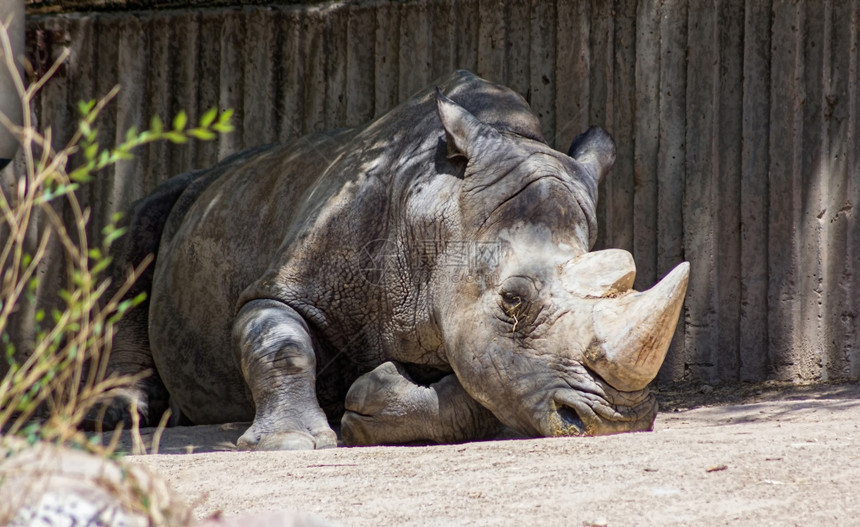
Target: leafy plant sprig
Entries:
(61, 373)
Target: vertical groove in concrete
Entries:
(619, 189)
(572, 68)
(465, 33)
(755, 163)
(360, 80)
(727, 195)
(736, 125)
(701, 212)
(541, 39)
(387, 63)
(208, 77)
(183, 33)
(849, 315)
(156, 101)
(258, 81)
(837, 125)
(290, 95)
(414, 49)
(517, 56)
(785, 189)
(235, 53)
(813, 181)
(492, 35)
(647, 140)
(335, 46)
(441, 16)
(671, 157)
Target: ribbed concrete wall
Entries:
(736, 124)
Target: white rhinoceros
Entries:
(425, 277)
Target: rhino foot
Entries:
(385, 406)
(288, 440)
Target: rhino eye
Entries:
(515, 294)
(511, 300)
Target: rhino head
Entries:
(549, 337)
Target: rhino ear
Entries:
(595, 150)
(464, 133)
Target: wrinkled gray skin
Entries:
(324, 280)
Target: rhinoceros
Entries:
(423, 278)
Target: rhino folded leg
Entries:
(277, 359)
(385, 406)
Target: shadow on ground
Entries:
(719, 405)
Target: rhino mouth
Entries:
(599, 409)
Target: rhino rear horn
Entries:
(464, 132)
(595, 150)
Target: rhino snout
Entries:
(574, 413)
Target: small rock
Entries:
(706, 388)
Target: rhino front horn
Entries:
(633, 332)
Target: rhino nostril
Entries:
(571, 423)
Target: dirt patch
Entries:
(751, 454)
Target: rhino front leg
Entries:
(277, 359)
(385, 406)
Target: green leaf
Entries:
(176, 137)
(112, 236)
(180, 121)
(223, 128)
(226, 116)
(91, 151)
(156, 126)
(100, 266)
(208, 118)
(119, 155)
(62, 190)
(81, 175)
(85, 107)
(131, 134)
(202, 134)
(95, 253)
(124, 306)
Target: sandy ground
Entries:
(759, 455)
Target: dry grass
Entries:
(58, 375)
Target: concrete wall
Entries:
(736, 124)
